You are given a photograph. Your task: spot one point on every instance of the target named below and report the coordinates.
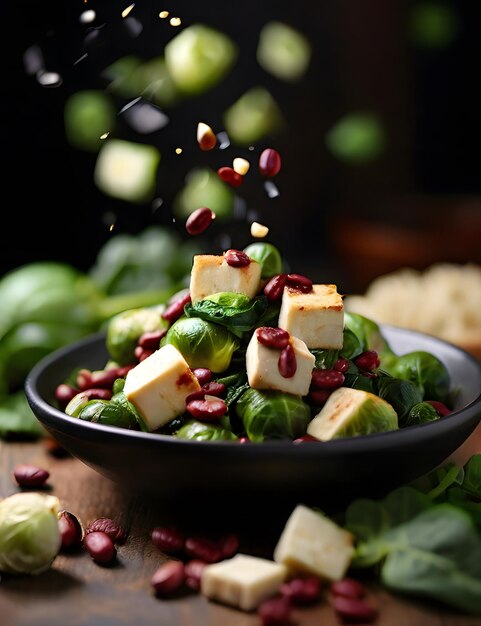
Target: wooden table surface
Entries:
(76, 591)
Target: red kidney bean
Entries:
(100, 547)
(275, 611)
(287, 362)
(236, 258)
(193, 573)
(327, 379)
(299, 282)
(199, 220)
(341, 365)
(348, 587)
(440, 407)
(269, 162)
(207, 410)
(71, 531)
(64, 393)
(168, 539)
(273, 337)
(274, 288)
(109, 527)
(203, 375)
(320, 396)
(176, 308)
(168, 578)
(124, 370)
(302, 590)
(84, 379)
(354, 610)
(142, 353)
(367, 361)
(104, 379)
(97, 394)
(150, 340)
(230, 176)
(304, 439)
(203, 549)
(214, 389)
(229, 545)
(30, 475)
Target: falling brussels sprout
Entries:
(283, 51)
(88, 115)
(203, 187)
(433, 24)
(253, 116)
(356, 138)
(350, 413)
(29, 533)
(267, 255)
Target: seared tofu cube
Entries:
(242, 581)
(212, 274)
(316, 317)
(159, 385)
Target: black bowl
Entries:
(321, 474)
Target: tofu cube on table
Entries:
(316, 317)
(159, 385)
(243, 581)
(212, 274)
(312, 543)
(263, 371)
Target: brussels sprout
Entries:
(352, 412)
(421, 413)
(29, 533)
(88, 114)
(108, 412)
(202, 343)
(272, 415)
(125, 329)
(283, 51)
(268, 256)
(368, 333)
(358, 137)
(253, 116)
(203, 187)
(200, 431)
(76, 404)
(425, 370)
(402, 395)
(118, 386)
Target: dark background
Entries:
(415, 204)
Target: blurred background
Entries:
(379, 137)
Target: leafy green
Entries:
(402, 395)
(17, 418)
(268, 256)
(421, 413)
(325, 359)
(367, 332)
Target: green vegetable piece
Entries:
(127, 170)
(29, 533)
(356, 138)
(154, 83)
(88, 115)
(118, 386)
(123, 76)
(76, 404)
(199, 57)
(433, 25)
(421, 413)
(125, 329)
(368, 334)
(351, 346)
(253, 116)
(272, 415)
(109, 413)
(202, 343)
(17, 418)
(402, 395)
(204, 188)
(352, 412)
(201, 431)
(325, 359)
(283, 51)
(472, 477)
(267, 255)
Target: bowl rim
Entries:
(55, 418)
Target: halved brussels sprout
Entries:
(200, 431)
(267, 255)
(108, 412)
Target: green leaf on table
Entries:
(17, 418)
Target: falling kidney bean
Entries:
(236, 258)
(199, 221)
(269, 162)
(230, 176)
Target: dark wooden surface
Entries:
(78, 592)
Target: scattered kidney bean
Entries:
(348, 587)
(287, 362)
(230, 176)
(150, 340)
(71, 531)
(299, 282)
(367, 361)
(100, 547)
(64, 393)
(354, 610)
(302, 590)
(269, 162)
(272, 337)
(341, 365)
(199, 220)
(236, 258)
(124, 370)
(204, 549)
(440, 407)
(207, 410)
(274, 288)
(30, 475)
(193, 573)
(109, 527)
(229, 545)
(168, 539)
(142, 353)
(168, 578)
(203, 375)
(176, 308)
(327, 379)
(275, 611)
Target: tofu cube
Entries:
(242, 581)
(316, 317)
(263, 371)
(312, 543)
(212, 274)
(159, 385)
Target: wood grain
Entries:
(78, 592)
